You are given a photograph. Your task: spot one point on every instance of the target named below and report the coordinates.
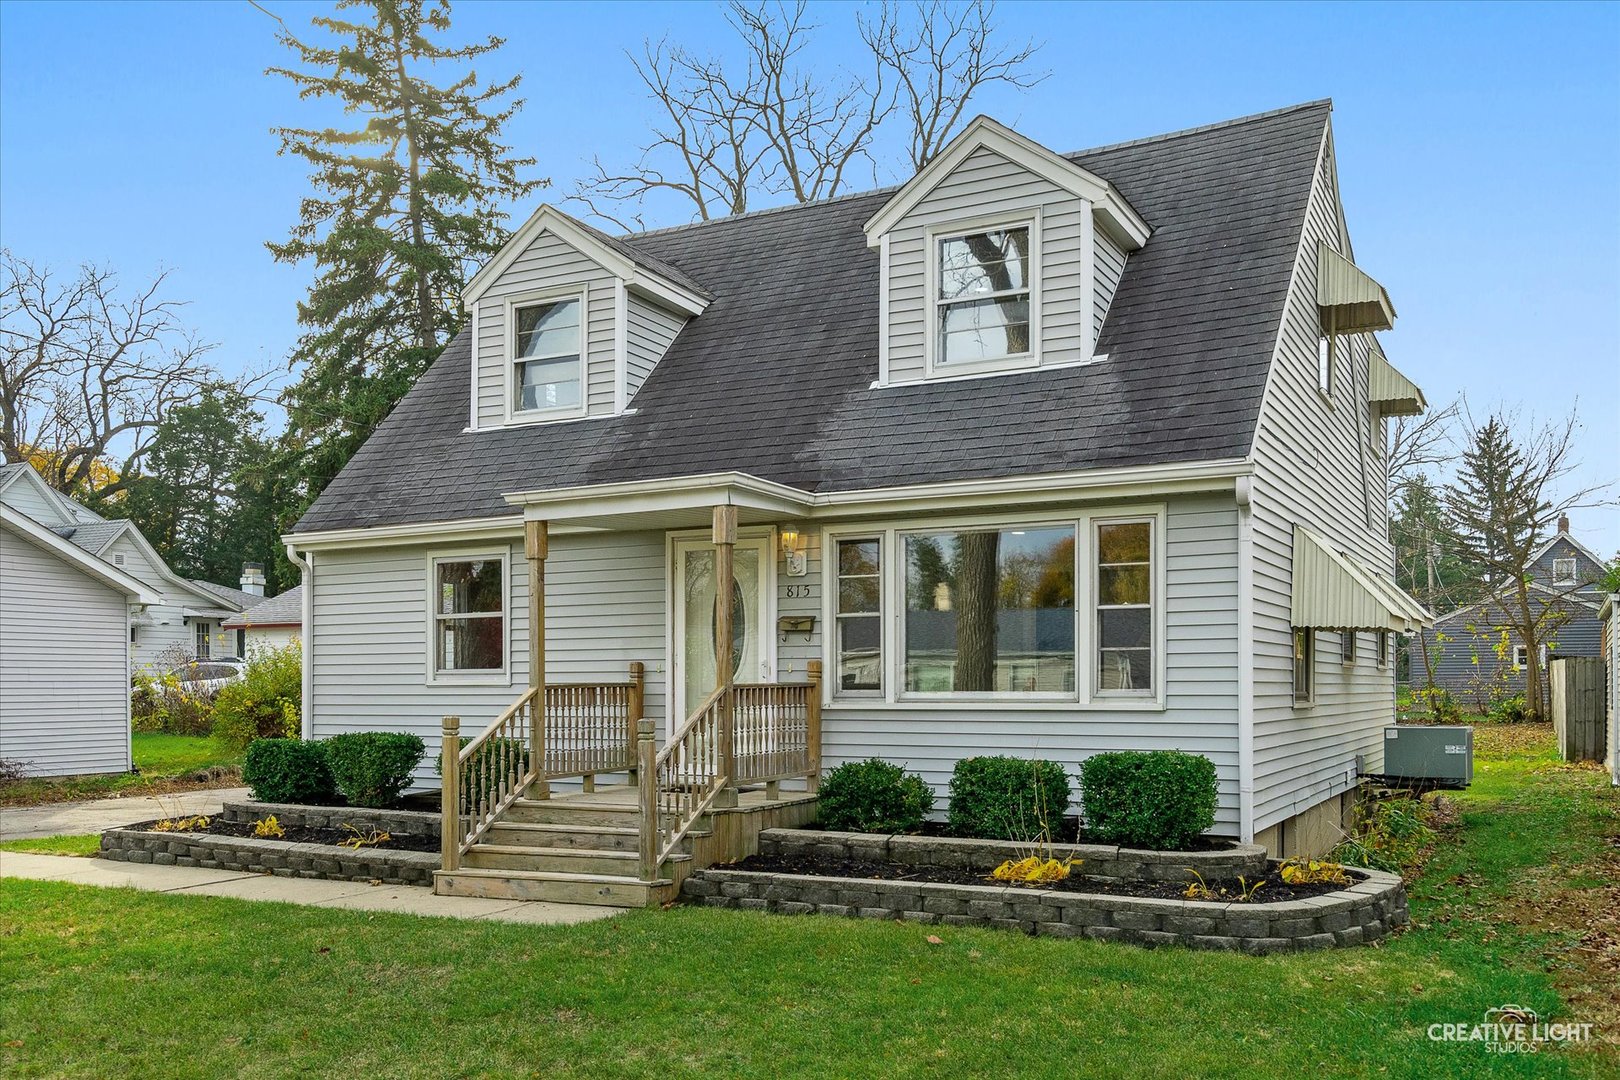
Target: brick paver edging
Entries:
(1106, 862)
(1362, 913)
(295, 815)
(250, 854)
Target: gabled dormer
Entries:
(567, 322)
(998, 256)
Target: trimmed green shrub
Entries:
(873, 796)
(372, 768)
(1510, 710)
(264, 702)
(289, 771)
(1162, 800)
(1008, 798)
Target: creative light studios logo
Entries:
(1512, 1029)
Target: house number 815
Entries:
(798, 592)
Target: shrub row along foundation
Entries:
(1104, 862)
(254, 856)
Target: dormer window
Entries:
(983, 310)
(548, 369)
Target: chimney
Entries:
(253, 578)
(1563, 524)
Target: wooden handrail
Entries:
(680, 782)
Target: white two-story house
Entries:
(1040, 454)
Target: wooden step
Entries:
(554, 887)
(564, 812)
(563, 860)
(567, 835)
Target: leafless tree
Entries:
(1417, 443)
(770, 126)
(87, 372)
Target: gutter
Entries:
(1246, 642)
(306, 690)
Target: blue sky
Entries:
(1479, 148)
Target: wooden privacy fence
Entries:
(1576, 683)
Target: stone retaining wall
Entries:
(1104, 862)
(255, 856)
(292, 815)
(1362, 913)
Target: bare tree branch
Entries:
(1418, 443)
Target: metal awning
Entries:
(1393, 393)
(1333, 591)
(1351, 302)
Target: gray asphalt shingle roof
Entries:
(237, 598)
(774, 378)
(92, 536)
(283, 609)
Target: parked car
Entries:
(207, 677)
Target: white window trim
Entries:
(1155, 603)
(1521, 657)
(1032, 220)
(1381, 643)
(492, 677)
(893, 602)
(1308, 699)
(1327, 364)
(834, 618)
(1574, 571)
(509, 413)
(1347, 648)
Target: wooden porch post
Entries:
(536, 543)
(450, 795)
(812, 717)
(633, 710)
(647, 798)
(725, 539)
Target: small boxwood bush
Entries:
(1008, 798)
(873, 796)
(1162, 800)
(373, 768)
(289, 771)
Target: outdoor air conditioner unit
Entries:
(1429, 756)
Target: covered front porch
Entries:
(575, 792)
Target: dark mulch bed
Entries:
(1071, 833)
(821, 866)
(298, 834)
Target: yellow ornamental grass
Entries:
(1034, 870)
(182, 824)
(269, 826)
(1303, 871)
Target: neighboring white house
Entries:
(64, 652)
(184, 620)
(1038, 454)
(1609, 617)
(272, 624)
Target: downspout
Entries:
(1244, 491)
(306, 702)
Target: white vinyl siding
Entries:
(25, 496)
(164, 636)
(548, 264)
(64, 669)
(369, 646)
(1200, 684)
(1110, 267)
(650, 332)
(1311, 469)
(987, 185)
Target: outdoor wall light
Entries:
(793, 551)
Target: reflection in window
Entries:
(1125, 606)
(983, 296)
(548, 356)
(990, 611)
(859, 618)
(469, 618)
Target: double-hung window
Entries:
(859, 617)
(990, 611)
(1124, 606)
(1304, 664)
(1328, 352)
(1347, 646)
(548, 368)
(469, 616)
(1563, 571)
(1382, 645)
(982, 303)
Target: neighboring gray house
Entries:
(1474, 652)
(64, 650)
(185, 618)
(1037, 454)
(269, 624)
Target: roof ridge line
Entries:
(1202, 128)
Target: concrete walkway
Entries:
(99, 815)
(355, 895)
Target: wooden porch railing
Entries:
(586, 728)
(777, 731)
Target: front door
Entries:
(695, 673)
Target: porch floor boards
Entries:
(623, 797)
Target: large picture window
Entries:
(990, 611)
(1124, 552)
(469, 615)
(859, 617)
(548, 371)
(983, 296)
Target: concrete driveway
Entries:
(98, 815)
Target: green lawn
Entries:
(78, 844)
(103, 982)
(167, 762)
